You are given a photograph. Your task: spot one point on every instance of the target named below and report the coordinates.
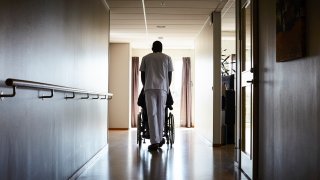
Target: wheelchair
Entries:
(142, 122)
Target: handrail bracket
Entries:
(50, 96)
(70, 97)
(87, 97)
(2, 95)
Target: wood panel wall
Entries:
(59, 42)
(289, 105)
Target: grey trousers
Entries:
(156, 103)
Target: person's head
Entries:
(157, 46)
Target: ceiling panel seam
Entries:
(145, 18)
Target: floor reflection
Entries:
(189, 158)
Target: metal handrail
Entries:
(17, 83)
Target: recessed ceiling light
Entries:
(161, 26)
(163, 3)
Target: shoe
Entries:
(153, 147)
(162, 142)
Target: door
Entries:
(248, 91)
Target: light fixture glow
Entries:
(145, 18)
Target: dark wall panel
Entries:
(289, 102)
(59, 42)
(266, 87)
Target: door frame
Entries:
(255, 56)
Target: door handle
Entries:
(252, 81)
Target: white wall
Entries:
(203, 83)
(176, 55)
(230, 45)
(119, 85)
(208, 81)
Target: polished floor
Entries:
(189, 158)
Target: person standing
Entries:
(156, 74)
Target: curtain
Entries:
(134, 91)
(186, 96)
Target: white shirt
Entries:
(156, 67)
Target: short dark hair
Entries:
(157, 46)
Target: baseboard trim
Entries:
(119, 129)
(89, 163)
(203, 139)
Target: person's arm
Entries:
(170, 77)
(143, 77)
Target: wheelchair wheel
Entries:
(139, 129)
(171, 129)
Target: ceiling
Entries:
(174, 23)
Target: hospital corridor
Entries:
(241, 79)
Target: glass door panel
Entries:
(247, 120)
(246, 89)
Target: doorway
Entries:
(248, 86)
